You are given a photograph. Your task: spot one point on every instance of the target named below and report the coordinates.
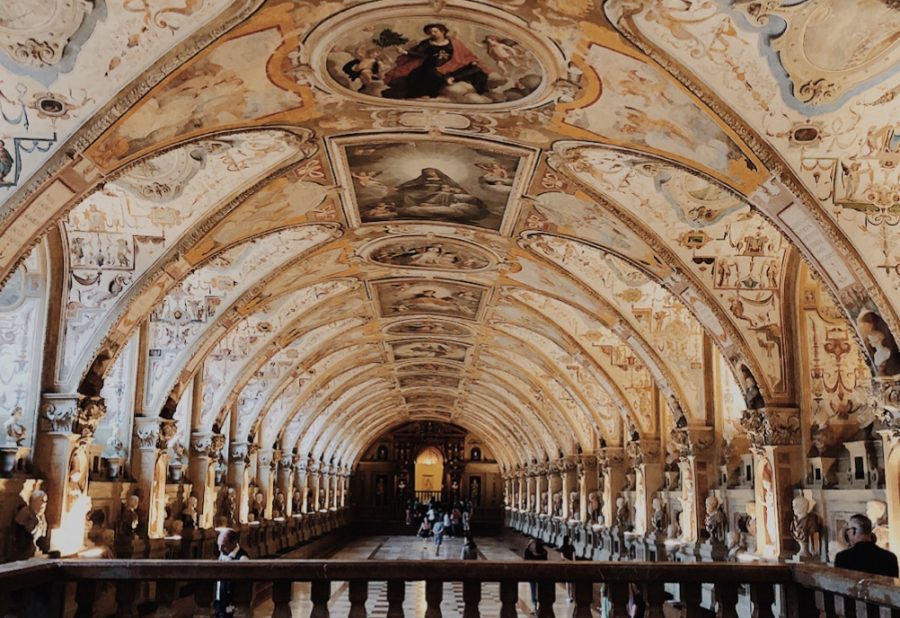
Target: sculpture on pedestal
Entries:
(30, 530)
(876, 510)
(130, 520)
(594, 509)
(296, 502)
(573, 505)
(13, 428)
(716, 520)
(278, 505)
(623, 513)
(258, 508)
(557, 504)
(806, 528)
(189, 514)
(659, 516)
(229, 505)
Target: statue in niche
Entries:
(770, 514)
(749, 520)
(687, 519)
(278, 505)
(735, 543)
(716, 521)
(573, 505)
(806, 528)
(594, 508)
(258, 509)
(296, 502)
(229, 505)
(623, 513)
(658, 516)
(557, 504)
(30, 529)
(130, 519)
(673, 531)
(13, 428)
(640, 501)
(189, 513)
(876, 510)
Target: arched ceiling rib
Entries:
(537, 256)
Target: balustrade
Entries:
(70, 587)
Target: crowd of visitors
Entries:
(437, 520)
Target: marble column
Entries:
(286, 481)
(205, 450)
(67, 426)
(587, 484)
(151, 438)
(266, 460)
(239, 480)
(303, 485)
(611, 465)
(779, 467)
(569, 466)
(529, 491)
(540, 489)
(554, 486)
(316, 482)
(889, 392)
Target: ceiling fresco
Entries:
(557, 224)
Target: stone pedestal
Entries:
(713, 551)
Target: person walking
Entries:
(535, 551)
(567, 551)
(438, 531)
(864, 555)
(229, 550)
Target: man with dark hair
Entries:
(864, 555)
(229, 549)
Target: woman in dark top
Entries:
(535, 551)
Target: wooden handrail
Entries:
(853, 584)
(806, 586)
(417, 570)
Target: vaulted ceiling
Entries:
(551, 222)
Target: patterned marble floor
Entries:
(412, 548)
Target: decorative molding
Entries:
(40, 45)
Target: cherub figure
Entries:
(364, 66)
(503, 52)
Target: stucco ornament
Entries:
(36, 33)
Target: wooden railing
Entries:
(70, 588)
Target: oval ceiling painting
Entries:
(428, 327)
(439, 59)
(431, 253)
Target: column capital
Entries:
(587, 461)
(610, 456)
(286, 462)
(772, 426)
(154, 433)
(692, 440)
(71, 413)
(238, 451)
(207, 443)
(645, 450)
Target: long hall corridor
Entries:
(414, 548)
